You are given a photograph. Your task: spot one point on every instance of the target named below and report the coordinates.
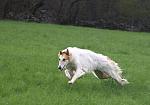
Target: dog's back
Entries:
(88, 59)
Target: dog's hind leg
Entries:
(116, 76)
(95, 74)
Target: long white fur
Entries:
(84, 61)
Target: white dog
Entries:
(76, 62)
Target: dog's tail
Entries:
(116, 67)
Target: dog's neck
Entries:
(71, 66)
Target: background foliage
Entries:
(133, 15)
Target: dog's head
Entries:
(64, 57)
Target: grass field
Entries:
(28, 65)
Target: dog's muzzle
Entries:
(59, 67)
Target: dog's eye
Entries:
(64, 59)
(59, 59)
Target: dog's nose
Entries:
(59, 67)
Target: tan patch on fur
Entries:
(64, 54)
(101, 75)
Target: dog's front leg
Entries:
(77, 75)
(69, 73)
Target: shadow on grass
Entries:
(106, 88)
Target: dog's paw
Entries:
(70, 82)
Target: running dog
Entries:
(77, 62)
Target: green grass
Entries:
(28, 65)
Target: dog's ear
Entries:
(60, 52)
(67, 52)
